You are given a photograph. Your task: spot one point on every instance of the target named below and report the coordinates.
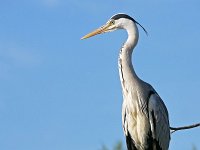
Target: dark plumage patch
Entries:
(152, 143)
(118, 16)
(130, 143)
(154, 119)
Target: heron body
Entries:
(144, 114)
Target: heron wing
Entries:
(159, 121)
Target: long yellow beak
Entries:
(100, 30)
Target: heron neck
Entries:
(126, 69)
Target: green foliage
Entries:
(104, 148)
(117, 146)
(194, 147)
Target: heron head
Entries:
(118, 21)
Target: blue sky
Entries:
(58, 92)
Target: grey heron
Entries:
(144, 115)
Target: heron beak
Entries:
(100, 30)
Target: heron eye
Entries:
(112, 22)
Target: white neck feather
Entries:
(126, 70)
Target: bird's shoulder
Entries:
(144, 91)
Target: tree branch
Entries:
(174, 129)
